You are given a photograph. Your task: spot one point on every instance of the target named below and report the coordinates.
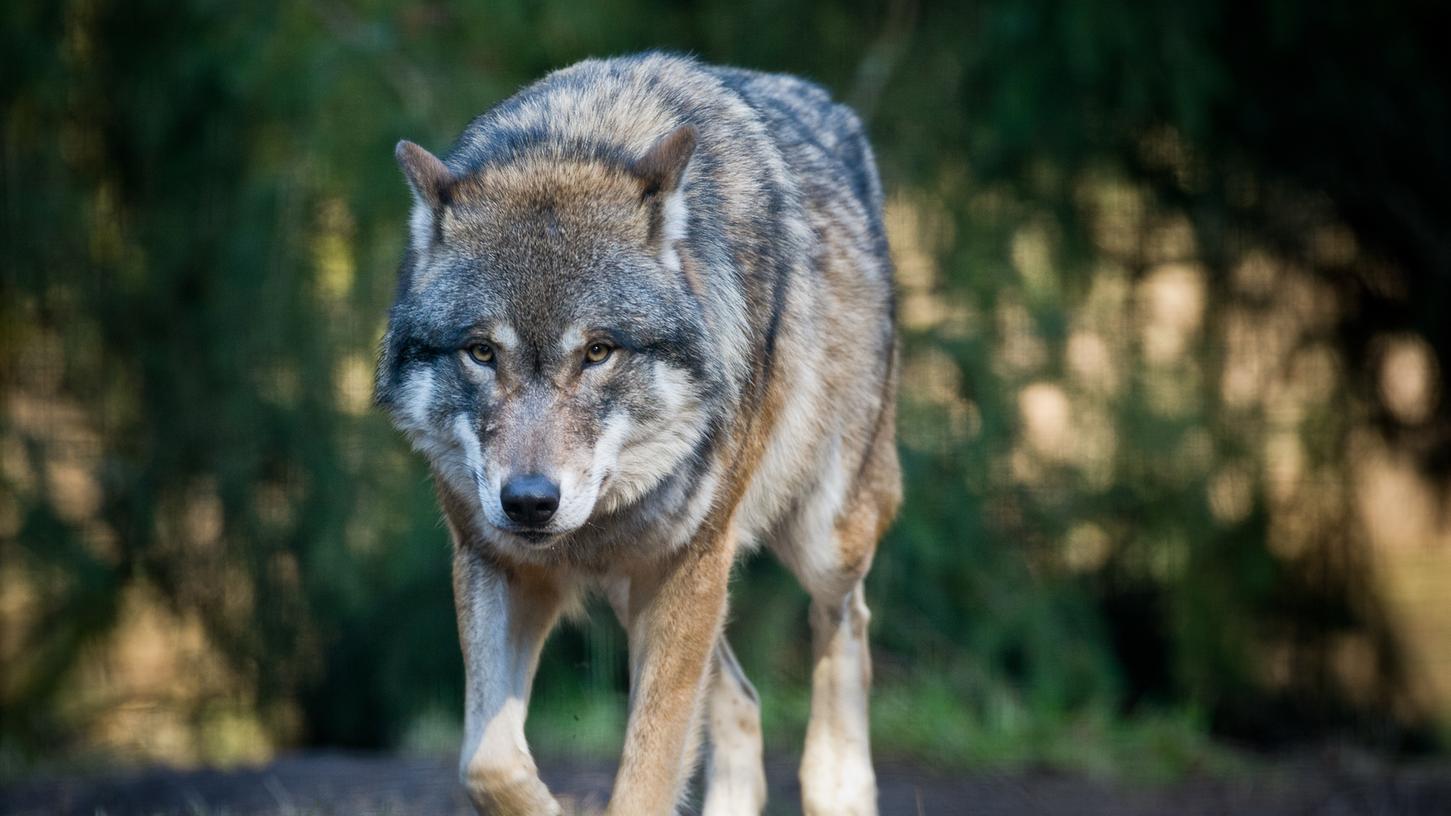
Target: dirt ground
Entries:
(331, 784)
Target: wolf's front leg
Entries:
(503, 618)
(675, 611)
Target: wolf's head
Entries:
(545, 351)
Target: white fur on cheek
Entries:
(450, 445)
(655, 451)
(473, 476)
(412, 415)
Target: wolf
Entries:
(644, 325)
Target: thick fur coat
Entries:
(644, 323)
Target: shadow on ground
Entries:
(338, 784)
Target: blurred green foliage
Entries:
(201, 221)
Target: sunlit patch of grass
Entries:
(588, 725)
(435, 732)
(929, 722)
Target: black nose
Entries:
(529, 500)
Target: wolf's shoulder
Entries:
(794, 104)
(821, 138)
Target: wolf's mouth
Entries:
(535, 536)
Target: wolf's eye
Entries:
(482, 353)
(597, 353)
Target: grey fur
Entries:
(766, 327)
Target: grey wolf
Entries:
(644, 324)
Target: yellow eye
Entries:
(482, 353)
(597, 353)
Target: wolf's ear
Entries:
(661, 172)
(429, 178)
(663, 165)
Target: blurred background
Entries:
(1174, 283)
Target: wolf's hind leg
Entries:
(831, 561)
(735, 776)
(836, 767)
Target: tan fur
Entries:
(675, 611)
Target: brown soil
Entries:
(332, 784)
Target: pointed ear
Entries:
(430, 179)
(663, 165)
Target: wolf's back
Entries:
(818, 135)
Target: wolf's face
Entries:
(542, 351)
